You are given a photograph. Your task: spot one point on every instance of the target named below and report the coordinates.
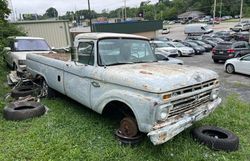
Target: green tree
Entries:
(4, 11)
(6, 29)
(51, 12)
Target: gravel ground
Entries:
(230, 83)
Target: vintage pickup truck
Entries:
(118, 74)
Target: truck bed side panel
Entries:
(50, 69)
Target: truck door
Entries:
(77, 76)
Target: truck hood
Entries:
(157, 77)
(22, 55)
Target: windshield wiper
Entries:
(119, 63)
(146, 61)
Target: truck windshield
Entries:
(31, 45)
(124, 51)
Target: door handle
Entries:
(95, 84)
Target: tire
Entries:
(216, 138)
(230, 69)
(216, 61)
(14, 68)
(179, 53)
(24, 91)
(18, 111)
(46, 91)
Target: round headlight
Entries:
(162, 112)
(214, 94)
(164, 115)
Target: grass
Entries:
(70, 131)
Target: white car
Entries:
(165, 31)
(238, 65)
(163, 58)
(161, 47)
(182, 49)
(19, 47)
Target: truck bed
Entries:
(58, 56)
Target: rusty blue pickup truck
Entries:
(118, 74)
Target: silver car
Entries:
(182, 49)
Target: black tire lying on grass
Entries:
(216, 138)
(23, 110)
(24, 91)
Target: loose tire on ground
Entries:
(23, 91)
(17, 111)
(216, 138)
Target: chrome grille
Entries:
(189, 103)
(194, 87)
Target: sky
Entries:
(40, 6)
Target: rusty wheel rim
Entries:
(128, 127)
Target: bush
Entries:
(6, 30)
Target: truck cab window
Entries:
(86, 53)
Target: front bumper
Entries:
(187, 53)
(175, 126)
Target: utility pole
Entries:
(122, 8)
(90, 17)
(214, 11)
(241, 10)
(220, 9)
(125, 10)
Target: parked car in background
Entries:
(214, 39)
(206, 46)
(241, 27)
(227, 50)
(162, 38)
(238, 65)
(165, 30)
(164, 58)
(242, 36)
(18, 47)
(182, 49)
(210, 42)
(161, 47)
(225, 35)
(197, 29)
(198, 49)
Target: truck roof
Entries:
(24, 37)
(102, 35)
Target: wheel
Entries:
(128, 127)
(216, 61)
(179, 53)
(26, 90)
(230, 68)
(216, 138)
(14, 67)
(46, 91)
(23, 110)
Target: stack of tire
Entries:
(20, 109)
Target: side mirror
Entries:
(74, 54)
(7, 49)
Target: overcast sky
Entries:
(40, 6)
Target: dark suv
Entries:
(227, 50)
